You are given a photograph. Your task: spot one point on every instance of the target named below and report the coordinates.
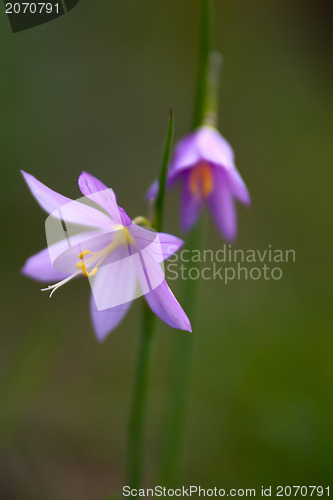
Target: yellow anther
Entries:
(83, 254)
(92, 272)
(89, 274)
(84, 270)
(201, 180)
(122, 237)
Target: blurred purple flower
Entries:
(114, 238)
(203, 162)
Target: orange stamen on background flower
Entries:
(201, 180)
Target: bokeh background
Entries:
(91, 91)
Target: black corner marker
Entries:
(27, 14)
(70, 4)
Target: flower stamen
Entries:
(122, 237)
(201, 180)
(104, 253)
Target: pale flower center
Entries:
(122, 238)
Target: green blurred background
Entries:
(91, 91)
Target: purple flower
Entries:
(114, 253)
(203, 162)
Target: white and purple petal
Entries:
(64, 208)
(95, 190)
(115, 282)
(160, 245)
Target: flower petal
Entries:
(115, 282)
(168, 244)
(164, 304)
(159, 296)
(95, 190)
(214, 148)
(62, 207)
(58, 260)
(186, 153)
(64, 254)
(238, 187)
(160, 245)
(222, 205)
(40, 268)
(106, 321)
(153, 189)
(190, 205)
(113, 289)
(204, 144)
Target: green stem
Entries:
(136, 425)
(138, 410)
(181, 370)
(201, 94)
(159, 202)
(213, 79)
(204, 113)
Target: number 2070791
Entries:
(292, 491)
(32, 8)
